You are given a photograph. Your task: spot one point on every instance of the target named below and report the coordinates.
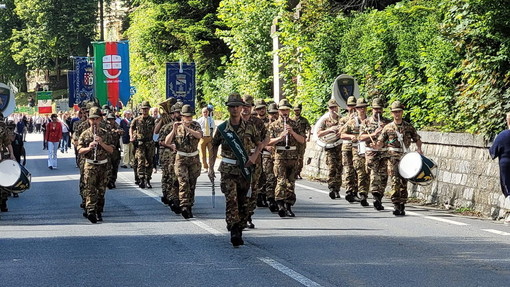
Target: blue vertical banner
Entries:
(83, 83)
(180, 82)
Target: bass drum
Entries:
(417, 168)
(14, 176)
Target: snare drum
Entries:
(417, 168)
(14, 176)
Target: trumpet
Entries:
(95, 146)
(287, 135)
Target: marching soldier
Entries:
(330, 127)
(163, 128)
(269, 185)
(261, 110)
(351, 132)
(5, 152)
(285, 135)
(95, 145)
(234, 136)
(116, 133)
(141, 131)
(257, 167)
(349, 173)
(397, 137)
(184, 138)
(376, 159)
(304, 126)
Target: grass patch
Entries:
(467, 212)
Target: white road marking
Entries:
(195, 221)
(312, 188)
(445, 220)
(207, 228)
(497, 232)
(55, 178)
(289, 272)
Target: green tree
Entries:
(52, 31)
(173, 30)
(9, 70)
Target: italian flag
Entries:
(111, 72)
(44, 102)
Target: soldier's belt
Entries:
(189, 154)
(395, 149)
(96, 162)
(229, 161)
(264, 152)
(347, 142)
(284, 148)
(373, 149)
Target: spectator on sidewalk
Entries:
(207, 124)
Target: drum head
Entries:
(9, 172)
(410, 165)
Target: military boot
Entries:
(235, 236)
(337, 194)
(288, 210)
(377, 201)
(148, 183)
(363, 200)
(402, 209)
(350, 197)
(91, 216)
(332, 194)
(3, 206)
(165, 200)
(396, 207)
(281, 208)
(142, 183)
(250, 224)
(261, 200)
(186, 212)
(273, 207)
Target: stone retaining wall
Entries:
(466, 175)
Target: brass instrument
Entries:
(287, 135)
(167, 104)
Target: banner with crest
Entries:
(81, 81)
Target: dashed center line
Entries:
(289, 272)
(497, 232)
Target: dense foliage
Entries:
(448, 61)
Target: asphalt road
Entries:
(45, 241)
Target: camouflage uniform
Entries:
(143, 128)
(95, 174)
(268, 178)
(80, 128)
(167, 159)
(304, 126)
(376, 161)
(257, 169)
(349, 178)
(390, 138)
(115, 156)
(333, 160)
(352, 127)
(233, 184)
(187, 165)
(285, 164)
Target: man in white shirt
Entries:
(207, 124)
